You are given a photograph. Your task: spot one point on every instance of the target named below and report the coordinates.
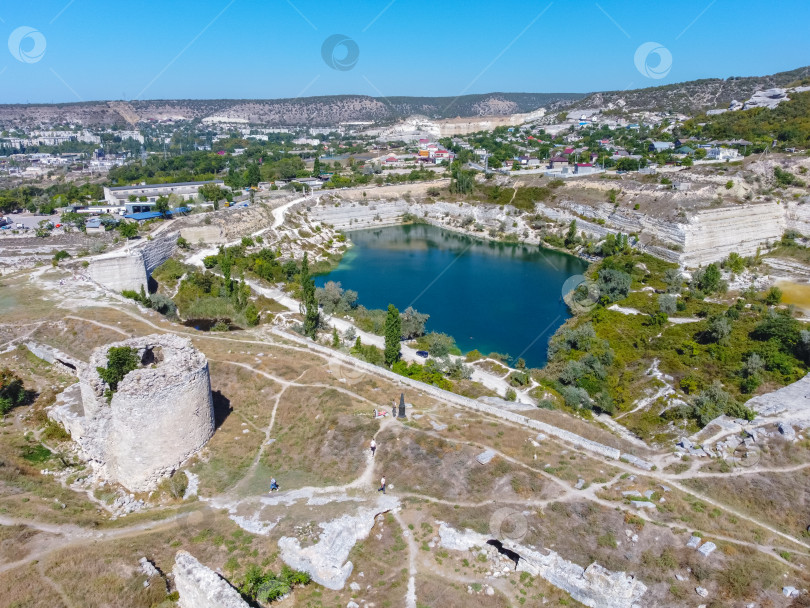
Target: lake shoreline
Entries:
(399, 263)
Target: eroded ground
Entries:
(283, 412)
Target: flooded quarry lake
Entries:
(494, 297)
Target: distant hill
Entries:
(690, 97)
(304, 111)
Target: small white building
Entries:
(722, 154)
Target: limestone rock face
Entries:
(201, 587)
(325, 561)
(161, 414)
(119, 271)
(594, 586)
(129, 269)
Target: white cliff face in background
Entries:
(702, 237)
(161, 414)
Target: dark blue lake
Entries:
(489, 296)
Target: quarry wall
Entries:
(131, 268)
(119, 271)
(705, 236)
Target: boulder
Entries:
(707, 548)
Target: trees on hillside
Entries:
(128, 230)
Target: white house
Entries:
(722, 154)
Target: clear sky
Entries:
(81, 50)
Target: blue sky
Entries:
(247, 49)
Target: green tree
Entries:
(76, 219)
(120, 361)
(128, 230)
(12, 391)
(773, 296)
(309, 301)
(393, 333)
(413, 323)
(571, 236)
(316, 167)
(162, 205)
(252, 175)
(251, 315)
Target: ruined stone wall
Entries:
(594, 586)
(129, 268)
(201, 587)
(161, 414)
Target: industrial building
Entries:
(186, 190)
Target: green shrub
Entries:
(59, 256)
(613, 285)
(12, 391)
(120, 361)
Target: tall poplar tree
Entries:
(309, 302)
(393, 333)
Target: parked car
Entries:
(422, 353)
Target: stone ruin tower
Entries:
(161, 414)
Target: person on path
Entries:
(382, 485)
(373, 447)
(273, 485)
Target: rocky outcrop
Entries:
(790, 403)
(593, 586)
(161, 414)
(325, 561)
(201, 587)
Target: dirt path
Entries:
(366, 482)
(410, 594)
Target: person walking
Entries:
(373, 447)
(382, 485)
(273, 485)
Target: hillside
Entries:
(687, 97)
(304, 111)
